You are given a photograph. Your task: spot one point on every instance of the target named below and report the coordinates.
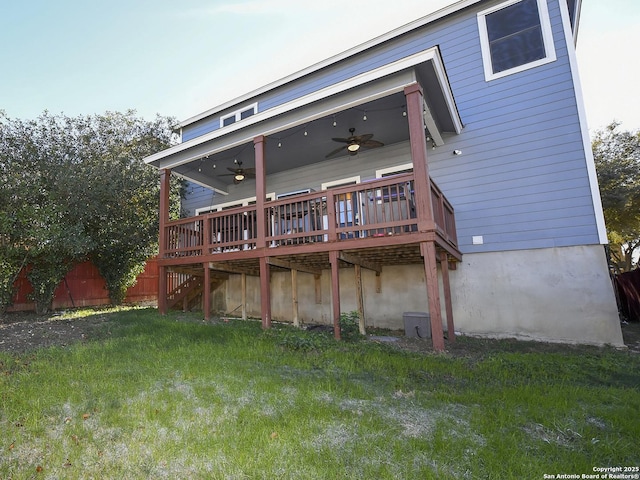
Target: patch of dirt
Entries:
(23, 332)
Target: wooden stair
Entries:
(188, 294)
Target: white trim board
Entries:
(584, 127)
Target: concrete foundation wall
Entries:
(402, 288)
(553, 294)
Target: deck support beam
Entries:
(294, 297)
(354, 260)
(317, 281)
(360, 299)
(243, 281)
(276, 262)
(165, 184)
(446, 285)
(428, 250)
(335, 292)
(414, 96)
(265, 292)
(259, 145)
(206, 289)
(162, 290)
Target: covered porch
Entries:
(401, 218)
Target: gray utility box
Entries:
(417, 324)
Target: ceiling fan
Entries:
(239, 174)
(354, 143)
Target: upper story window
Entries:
(515, 36)
(238, 115)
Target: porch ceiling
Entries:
(300, 133)
(292, 148)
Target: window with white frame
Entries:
(340, 183)
(238, 115)
(396, 170)
(515, 36)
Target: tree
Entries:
(13, 214)
(122, 218)
(75, 189)
(617, 157)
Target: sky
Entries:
(178, 59)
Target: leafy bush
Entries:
(349, 326)
(304, 341)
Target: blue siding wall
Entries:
(522, 180)
(206, 125)
(197, 196)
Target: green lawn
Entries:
(172, 397)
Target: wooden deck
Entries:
(400, 219)
(376, 219)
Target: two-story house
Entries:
(444, 167)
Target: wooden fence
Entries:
(84, 287)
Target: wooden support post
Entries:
(206, 289)
(162, 290)
(331, 217)
(243, 280)
(265, 292)
(165, 178)
(444, 266)
(360, 297)
(294, 297)
(428, 251)
(317, 280)
(261, 187)
(165, 186)
(418, 142)
(335, 292)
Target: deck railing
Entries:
(443, 215)
(376, 208)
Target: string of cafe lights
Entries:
(305, 130)
(334, 121)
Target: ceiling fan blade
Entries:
(249, 174)
(250, 170)
(337, 150)
(362, 138)
(233, 170)
(342, 140)
(371, 144)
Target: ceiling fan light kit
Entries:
(353, 147)
(239, 174)
(354, 143)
